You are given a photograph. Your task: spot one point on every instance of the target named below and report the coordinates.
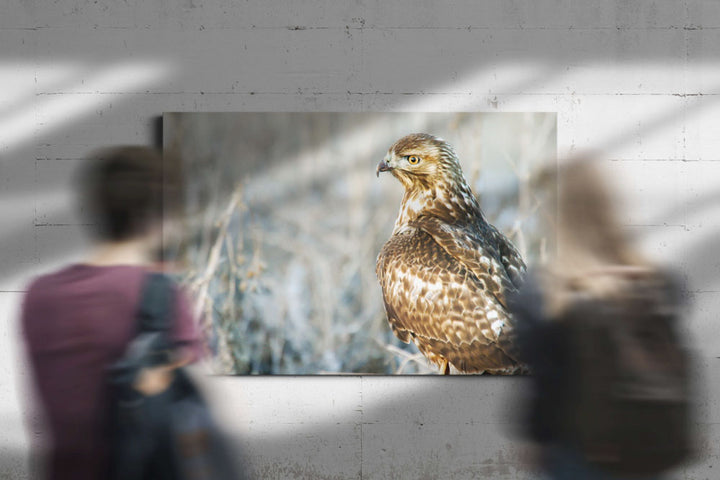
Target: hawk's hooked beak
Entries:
(382, 167)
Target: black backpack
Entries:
(628, 396)
(169, 436)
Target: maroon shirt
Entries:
(76, 322)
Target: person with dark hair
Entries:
(79, 320)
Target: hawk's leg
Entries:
(445, 366)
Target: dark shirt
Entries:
(76, 322)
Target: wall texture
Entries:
(638, 81)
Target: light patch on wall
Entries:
(653, 117)
(54, 108)
(464, 93)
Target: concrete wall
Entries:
(637, 80)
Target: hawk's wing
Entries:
(493, 260)
(439, 303)
(510, 258)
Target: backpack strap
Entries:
(152, 341)
(156, 302)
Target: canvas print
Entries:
(359, 243)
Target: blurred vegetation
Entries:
(285, 218)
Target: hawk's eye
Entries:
(413, 160)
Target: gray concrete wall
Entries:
(637, 80)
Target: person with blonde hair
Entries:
(596, 324)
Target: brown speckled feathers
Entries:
(445, 270)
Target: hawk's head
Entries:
(422, 161)
(434, 184)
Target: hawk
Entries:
(445, 271)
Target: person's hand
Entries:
(154, 380)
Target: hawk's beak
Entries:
(382, 167)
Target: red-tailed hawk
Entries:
(445, 270)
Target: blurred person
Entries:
(79, 320)
(609, 396)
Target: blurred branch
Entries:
(201, 284)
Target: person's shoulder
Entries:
(668, 287)
(528, 301)
(42, 282)
(671, 279)
(42, 290)
(85, 276)
(531, 288)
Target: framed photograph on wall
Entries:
(358, 243)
